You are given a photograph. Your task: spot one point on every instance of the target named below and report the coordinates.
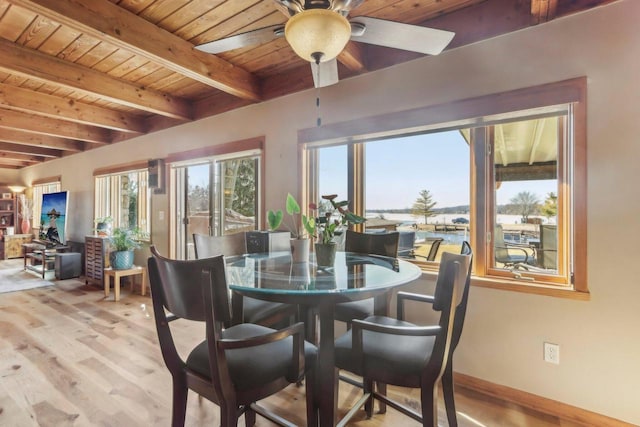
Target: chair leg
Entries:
(179, 410)
(229, 416)
(382, 389)
(428, 400)
(249, 418)
(448, 392)
(367, 386)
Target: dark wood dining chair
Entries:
(254, 310)
(234, 366)
(394, 351)
(385, 244)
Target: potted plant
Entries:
(297, 226)
(335, 218)
(122, 242)
(103, 225)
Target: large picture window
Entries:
(124, 197)
(506, 176)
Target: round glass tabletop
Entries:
(275, 273)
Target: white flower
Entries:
(26, 206)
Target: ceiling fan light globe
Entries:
(317, 31)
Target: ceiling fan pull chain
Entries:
(317, 57)
(319, 120)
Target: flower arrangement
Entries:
(26, 206)
(335, 218)
(297, 227)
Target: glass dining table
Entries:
(316, 290)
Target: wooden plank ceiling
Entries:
(79, 74)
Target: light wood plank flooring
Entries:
(71, 357)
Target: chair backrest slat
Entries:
(228, 245)
(385, 244)
(445, 283)
(461, 310)
(180, 284)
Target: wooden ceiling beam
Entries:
(18, 120)
(6, 155)
(39, 140)
(25, 100)
(29, 149)
(16, 163)
(107, 21)
(36, 65)
(543, 10)
(6, 166)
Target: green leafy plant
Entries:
(126, 239)
(297, 226)
(333, 219)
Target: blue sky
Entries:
(399, 168)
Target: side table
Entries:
(117, 274)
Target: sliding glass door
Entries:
(214, 196)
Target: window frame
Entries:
(469, 113)
(143, 205)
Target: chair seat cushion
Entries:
(252, 366)
(256, 310)
(347, 311)
(391, 359)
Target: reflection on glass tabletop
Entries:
(276, 273)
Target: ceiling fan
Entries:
(318, 31)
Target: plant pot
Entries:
(25, 226)
(121, 260)
(326, 254)
(300, 250)
(103, 229)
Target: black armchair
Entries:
(394, 351)
(234, 366)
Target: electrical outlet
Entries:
(552, 353)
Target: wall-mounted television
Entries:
(53, 217)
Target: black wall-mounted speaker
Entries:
(156, 175)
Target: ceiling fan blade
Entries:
(398, 35)
(249, 38)
(325, 73)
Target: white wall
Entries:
(502, 341)
(9, 176)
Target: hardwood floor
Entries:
(71, 357)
